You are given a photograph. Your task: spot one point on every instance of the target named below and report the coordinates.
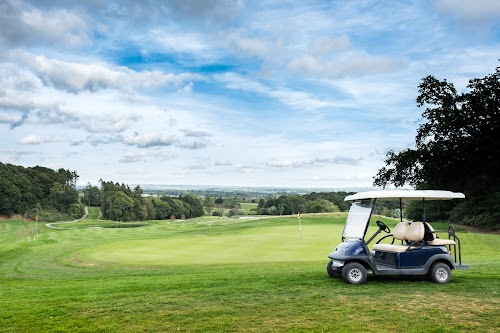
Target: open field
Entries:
(248, 207)
(225, 275)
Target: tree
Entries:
(194, 205)
(76, 210)
(10, 196)
(209, 203)
(321, 206)
(148, 203)
(177, 207)
(92, 195)
(262, 203)
(294, 204)
(161, 209)
(457, 147)
(234, 211)
(120, 207)
(140, 209)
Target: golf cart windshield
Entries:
(357, 219)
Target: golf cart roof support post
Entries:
(370, 217)
(401, 209)
(423, 208)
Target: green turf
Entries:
(225, 275)
(248, 208)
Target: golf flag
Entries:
(300, 225)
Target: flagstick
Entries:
(300, 225)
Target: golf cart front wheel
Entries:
(331, 271)
(440, 273)
(354, 273)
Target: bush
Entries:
(52, 215)
(76, 210)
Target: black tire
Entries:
(330, 270)
(354, 273)
(440, 273)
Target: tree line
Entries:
(33, 190)
(319, 202)
(310, 203)
(119, 202)
(40, 191)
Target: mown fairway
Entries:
(219, 275)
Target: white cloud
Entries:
(37, 140)
(327, 45)
(149, 140)
(245, 168)
(144, 156)
(478, 11)
(355, 65)
(223, 163)
(78, 77)
(178, 41)
(160, 140)
(316, 162)
(14, 120)
(296, 99)
(22, 24)
(195, 133)
(253, 46)
(9, 119)
(208, 11)
(188, 88)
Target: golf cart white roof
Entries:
(406, 195)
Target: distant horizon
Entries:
(187, 186)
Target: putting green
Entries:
(263, 244)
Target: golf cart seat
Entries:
(404, 231)
(432, 239)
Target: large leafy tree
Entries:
(457, 146)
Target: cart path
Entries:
(51, 224)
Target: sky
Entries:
(229, 93)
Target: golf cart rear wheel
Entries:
(331, 272)
(440, 273)
(354, 273)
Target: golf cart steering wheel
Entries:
(381, 225)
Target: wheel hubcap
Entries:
(355, 275)
(441, 274)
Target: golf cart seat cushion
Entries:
(390, 247)
(439, 241)
(435, 241)
(399, 231)
(415, 232)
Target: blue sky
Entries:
(244, 93)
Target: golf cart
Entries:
(418, 250)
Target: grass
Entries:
(248, 208)
(224, 276)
